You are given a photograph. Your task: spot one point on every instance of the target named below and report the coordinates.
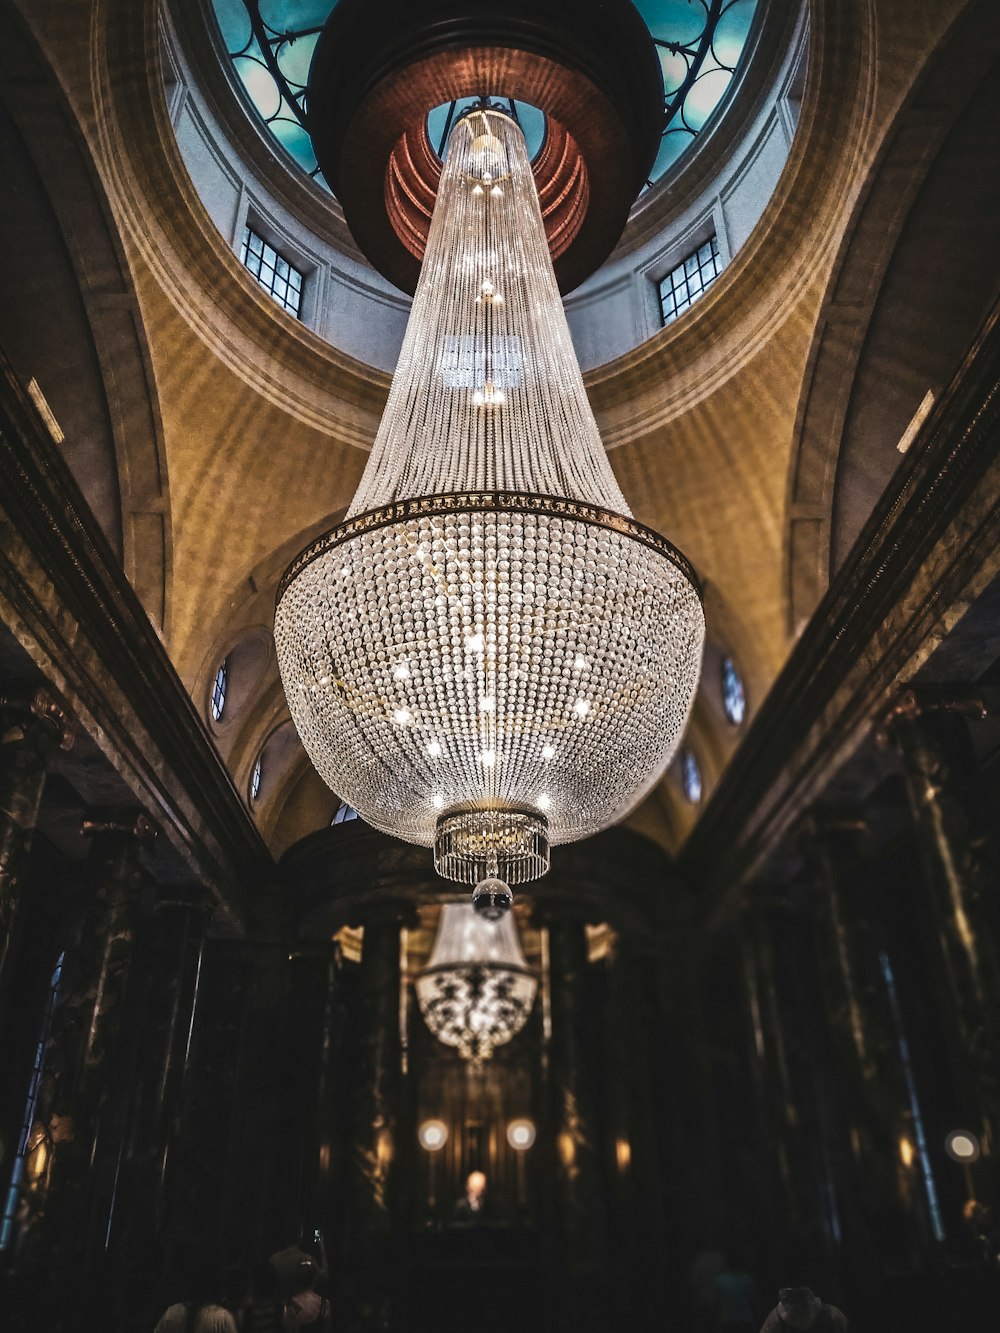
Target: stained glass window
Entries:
(219, 692)
(691, 776)
(734, 699)
(275, 274)
(690, 279)
(255, 780)
(700, 43)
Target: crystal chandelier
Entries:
(476, 991)
(489, 655)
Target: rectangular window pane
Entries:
(689, 279)
(273, 272)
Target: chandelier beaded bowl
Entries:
(489, 655)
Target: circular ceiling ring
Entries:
(381, 65)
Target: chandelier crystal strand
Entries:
(489, 655)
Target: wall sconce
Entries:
(521, 1135)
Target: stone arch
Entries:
(61, 259)
(878, 347)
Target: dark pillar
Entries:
(580, 1219)
(311, 1039)
(163, 995)
(29, 732)
(89, 1067)
(258, 1207)
(629, 1146)
(375, 1146)
(801, 1096)
(875, 1212)
(939, 767)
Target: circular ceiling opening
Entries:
(531, 120)
(269, 44)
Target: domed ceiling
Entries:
(700, 43)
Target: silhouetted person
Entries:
(297, 1274)
(798, 1308)
(736, 1301)
(267, 1311)
(473, 1205)
(197, 1310)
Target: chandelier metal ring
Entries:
(511, 502)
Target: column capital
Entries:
(43, 708)
(916, 701)
(821, 821)
(137, 826)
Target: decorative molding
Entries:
(64, 596)
(929, 549)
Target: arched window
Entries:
(219, 692)
(734, 699)
(255, 779)
(344, 813)
(691, 776)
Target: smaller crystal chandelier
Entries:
(476, 991)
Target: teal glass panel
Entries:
(700, 45)
(441, 120)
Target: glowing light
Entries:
(521, 1134)
(962, 1145)
(433, 1135)
(435, 749)
(402, 717)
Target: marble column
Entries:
(163, 995)
(87, 1083)
(257, 1213)
(375, 1148)
(312, 1037)
(876, 1212)
(579, 1212)
(932, 739)
(629, 1140)
(801, 1099)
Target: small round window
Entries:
(219, 692)
(691, 777)
(734, 699)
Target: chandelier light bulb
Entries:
(490, 552)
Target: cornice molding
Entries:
(929, 549)
(66, 599)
